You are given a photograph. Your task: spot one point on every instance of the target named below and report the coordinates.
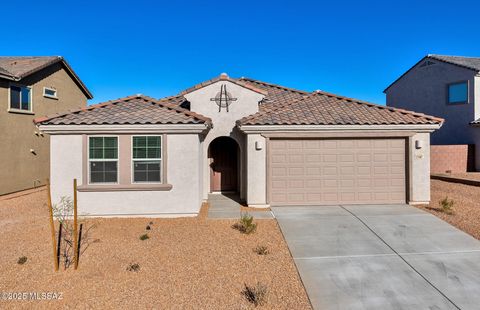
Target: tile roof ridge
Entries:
(42, 119)
(177, 108)
(459, 56)
(272, 109)
(384, 107)
(437, 57)
(222, 77)
(126, 99)
(274, 85)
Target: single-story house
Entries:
(273, 145)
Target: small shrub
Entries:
(261, 250)
(144, 237)
(255, 294)
(148, 227)
(446, 205)
(22, 260)
(151, 223)
(133, 267)
(246, 224)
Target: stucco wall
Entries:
(183, 151)
(419, 170)
(256, 171)
(224, 123)
(19, 168)
(424, 89)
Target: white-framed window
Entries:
(103, 159)
(457, 93)
(146, 159)
(50, 92)
(20, 98)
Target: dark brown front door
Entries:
(223, 165)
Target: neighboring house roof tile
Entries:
(467, 62)
(322, 108)
(131, 110)
(472, 63)
(18, 67)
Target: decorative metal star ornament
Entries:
(223, 98)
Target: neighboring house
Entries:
(29, 87)
(448, 87)
(273, 145)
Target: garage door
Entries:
(343, 171)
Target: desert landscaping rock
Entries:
(188, 263)
(466, 205)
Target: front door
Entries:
(223, 165)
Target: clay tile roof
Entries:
(138, 109)
(224, 77)
(17, 67)
(276, 94)
(322, 108)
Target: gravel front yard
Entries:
(188, 263)
(466, 205)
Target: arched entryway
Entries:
(223, 154)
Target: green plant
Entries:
(245, 224)
(446, 205)
(261, 250)
(144, 237)
(133, 267)
(22, 260)
(255, 294)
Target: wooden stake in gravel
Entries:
(75, 232)
(52, 226)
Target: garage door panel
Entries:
(316, 171)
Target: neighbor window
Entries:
(458, 93)
(20, 98)
(147, 159)
(103, 159)
(49, 92)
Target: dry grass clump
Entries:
(22, 260)
(446, 205)
(133, 267)
(261, 250)
(256, 294)
(245, 225)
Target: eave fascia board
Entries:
(128, 129)
(258, 129)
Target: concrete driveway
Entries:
(381, 257)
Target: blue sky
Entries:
(158, 48)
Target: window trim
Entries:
(132, 160)
(21, 111)
(89, 182)
(50, 96)
(448, 92)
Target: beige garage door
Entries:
(343, 171)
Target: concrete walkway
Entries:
(226, 206)
(381, 257)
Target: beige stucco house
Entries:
(31, 87)
(272, 145)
